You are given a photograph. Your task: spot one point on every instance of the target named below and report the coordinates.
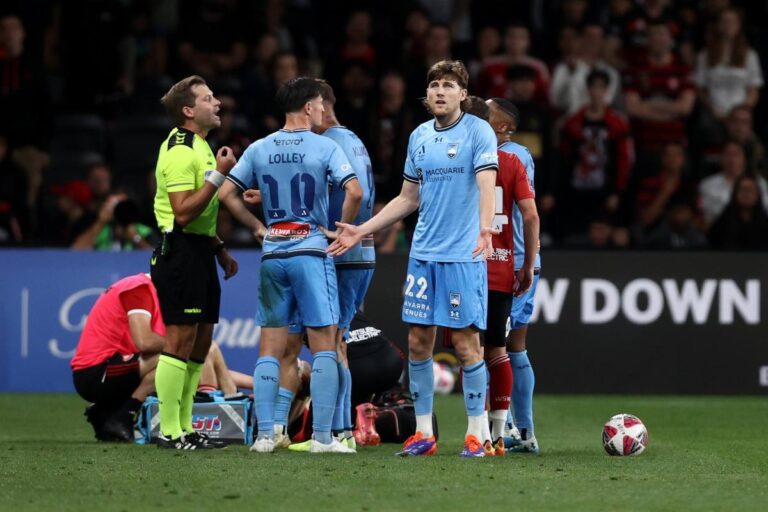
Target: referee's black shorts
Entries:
(499, 307)
(184, 274)
(109, 383)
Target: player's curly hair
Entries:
(453, 68)
(180, 95)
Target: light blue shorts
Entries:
(303, 286)
(453, 294)
(352, 284)
(522, 306)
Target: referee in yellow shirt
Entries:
(183, 266)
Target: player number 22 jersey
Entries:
(444, 161)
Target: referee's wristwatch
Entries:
(137, 238)
(219, 247)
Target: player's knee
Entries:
(516, 341)
(293, 347)
(418, 347)
(180, 339)
(467, 349)
(468, 354)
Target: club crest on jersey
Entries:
(453, 149)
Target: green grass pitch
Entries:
(705, 453)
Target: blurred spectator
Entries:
(677, 231)
(98, 177)
(717, 190)
(493, 79)
(78, 204)
(653, 187)
(357, 45)
(568, 91)
(14, 213)
(269, 118)
(355, 102)
(659, 94)
(728, 70)
(262, 54)
(602, 233)
(117, 228)
(488, 44)
(96, 32)
(203, 53)
(147, 60)
(437, 47)
(738, 127)
(24, 109)
(456, 15)
(743, 225)
(559, 17)
(565, 70)
(596, 159)
(273, 19)
(534, 131)
(229, 133)
(573, 13)
(71, 202)
(417, 26)
(615, 17)
(629, 25)
(393, 122)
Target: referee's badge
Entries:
(453, 149)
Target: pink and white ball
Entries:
(445, 379)
(625, 434)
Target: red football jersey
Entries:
(511, 185)
(106, 331)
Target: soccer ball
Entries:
(625, 434)
(445, 379)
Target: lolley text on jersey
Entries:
(286, 158)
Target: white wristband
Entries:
(215, 178)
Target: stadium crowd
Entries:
(644, 118)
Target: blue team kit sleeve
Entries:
(243, 174)
(339, 167)
(410, 173)
(484, 152)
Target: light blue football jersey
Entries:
(293, 169)
(443, 161)
(363, 254)
(517, 218)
